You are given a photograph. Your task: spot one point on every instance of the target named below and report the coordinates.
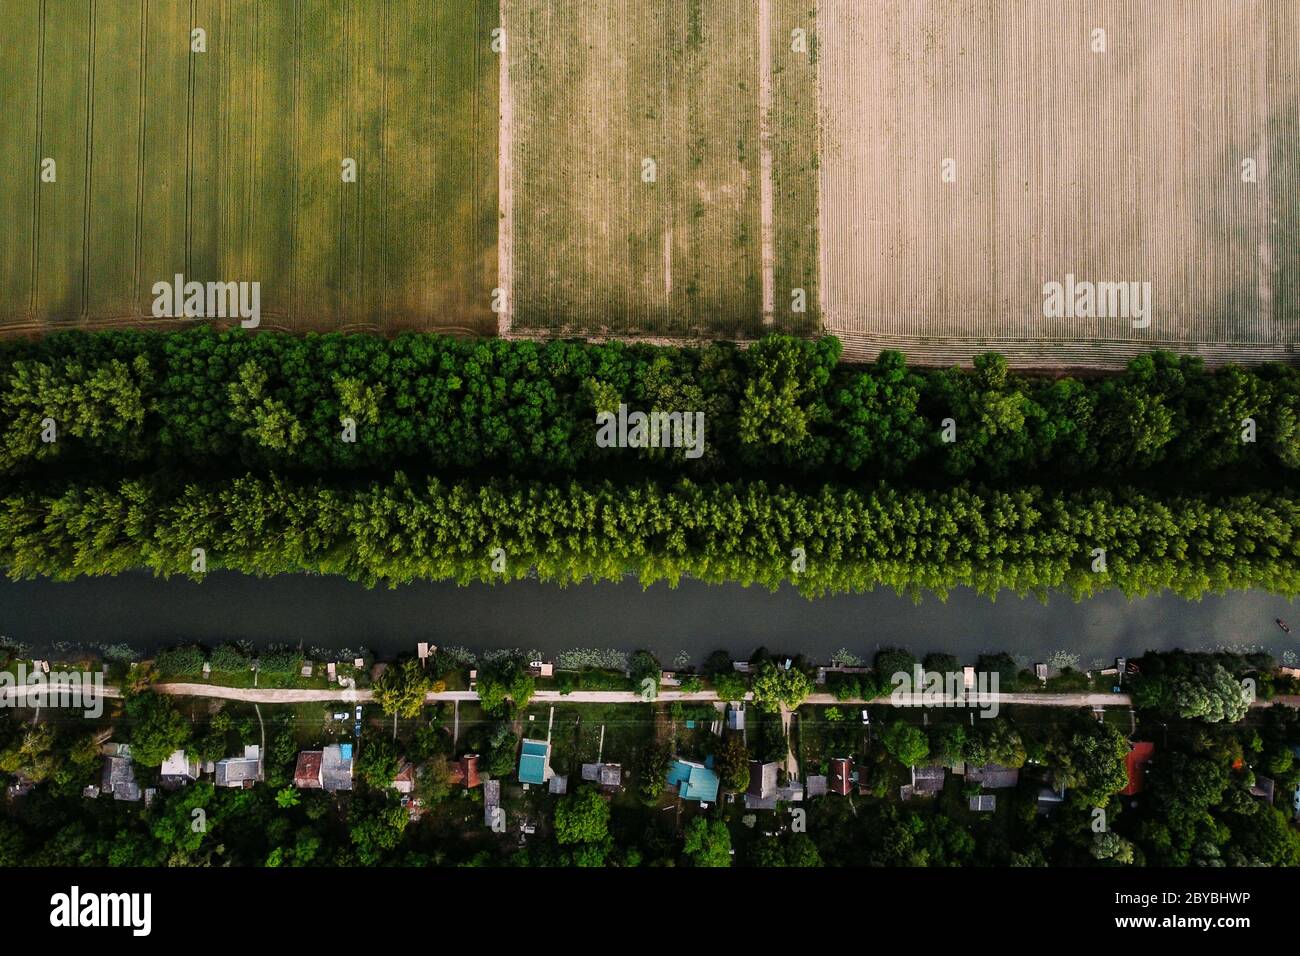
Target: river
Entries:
(330, 612)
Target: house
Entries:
(327, 769)
(791, 792)
(242, 771)
(1139, 755)
(535, 762)
(404, 782)
(926, 782)
(736, 717)
(178, 770)
(693, 781)
(307, 773)
(558, 784)
(491, 802)
(336, 767)
(762, 780)
(608, 776)
(1263, 789)
(993, 776)
(817, 785)
(984, 803)
(119, 775)
(764, 793)
(841, 776)
(464, 772)
(541, 669)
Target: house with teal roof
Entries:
(693, 781)
(534, 762)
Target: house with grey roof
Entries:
(762, 779)
(178, 770)
(242, 771)
(993, 776)
(492, 803)
(736, 717)
(336, 767)
(608, 776)
(764, 793)
(926, 782)
(119, 777)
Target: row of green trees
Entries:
(202, 398)
(832, 540)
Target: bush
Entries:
(644, 667)
(942, 664)
(894, 660)
(843, 686)
(281, 661)
(185, 661)
(731, 686)
(229, 657)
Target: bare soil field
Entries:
(657, 151)
(226, 164)
(1163, 151)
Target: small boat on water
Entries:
(1286, 628)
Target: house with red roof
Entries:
(1139, 755)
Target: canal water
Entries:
(329, 612)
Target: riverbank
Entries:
(16, 696)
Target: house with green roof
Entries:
(694, 781)
(534, 762)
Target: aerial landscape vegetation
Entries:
(813, 298)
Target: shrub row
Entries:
(1026, 540)
(188, 660)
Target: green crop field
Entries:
(226, 165)
(714, 240)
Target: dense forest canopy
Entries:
(204, 399)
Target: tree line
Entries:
(835, 539)
(360, 403)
